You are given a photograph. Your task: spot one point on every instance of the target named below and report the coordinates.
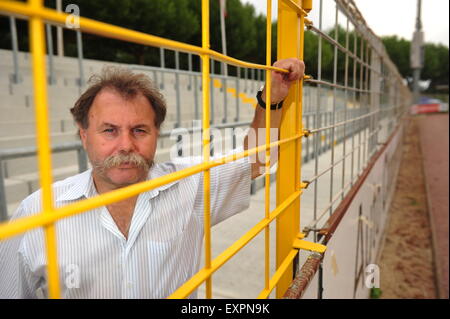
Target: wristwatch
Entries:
(275, 106)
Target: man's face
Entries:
(120, 139)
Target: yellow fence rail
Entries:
(290, 44)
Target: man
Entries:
(145, 246)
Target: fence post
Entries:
(290, 44)
(82, 160)
(3, 205)
(80, 60)
(51, 69)
(15, 49)
(252, 76)
(211, 99)
(177, 88)
(196, 97)
(163, 66)
(225, 103)
(238, 74)
(375, 88)
(190, 70)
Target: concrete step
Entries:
(27, 165)
(19, 187)
(30, 140)
(61, 86)
(14, 100)
(60, 98)
(17, 127)
(22, 55)
(12, 207)
(19, 114)
(24, 97)
(21, 128)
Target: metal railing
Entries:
(22, 152)
(374, 67)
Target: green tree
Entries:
(180, 20)
(399, 52)
(154, 17)
(436, 66)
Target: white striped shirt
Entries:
(95, 260)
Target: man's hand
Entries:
(281, 82)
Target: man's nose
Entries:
(126, 143)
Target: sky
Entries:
(385, 17)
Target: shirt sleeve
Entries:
(27, 284)
(15, 275)
(230, 190)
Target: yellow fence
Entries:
(291, 22)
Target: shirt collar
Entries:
(81, 185)
(159, 170)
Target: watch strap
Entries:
(275, 106)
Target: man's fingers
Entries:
(294, 75)
(296, 68)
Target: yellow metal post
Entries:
(43, 143)
(290, 44)
(267, 189)
(206, 142)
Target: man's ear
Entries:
(83, 135)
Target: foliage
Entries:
(375, 293)
(435, 67)
(180, 20)
(399, 51)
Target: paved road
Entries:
(434, 143)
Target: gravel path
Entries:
(407, 263)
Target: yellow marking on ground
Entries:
(232, 91)
(217, 84)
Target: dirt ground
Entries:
(406, 262)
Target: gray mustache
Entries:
(131, 158)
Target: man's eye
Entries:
(139, 131)
(109, 130)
